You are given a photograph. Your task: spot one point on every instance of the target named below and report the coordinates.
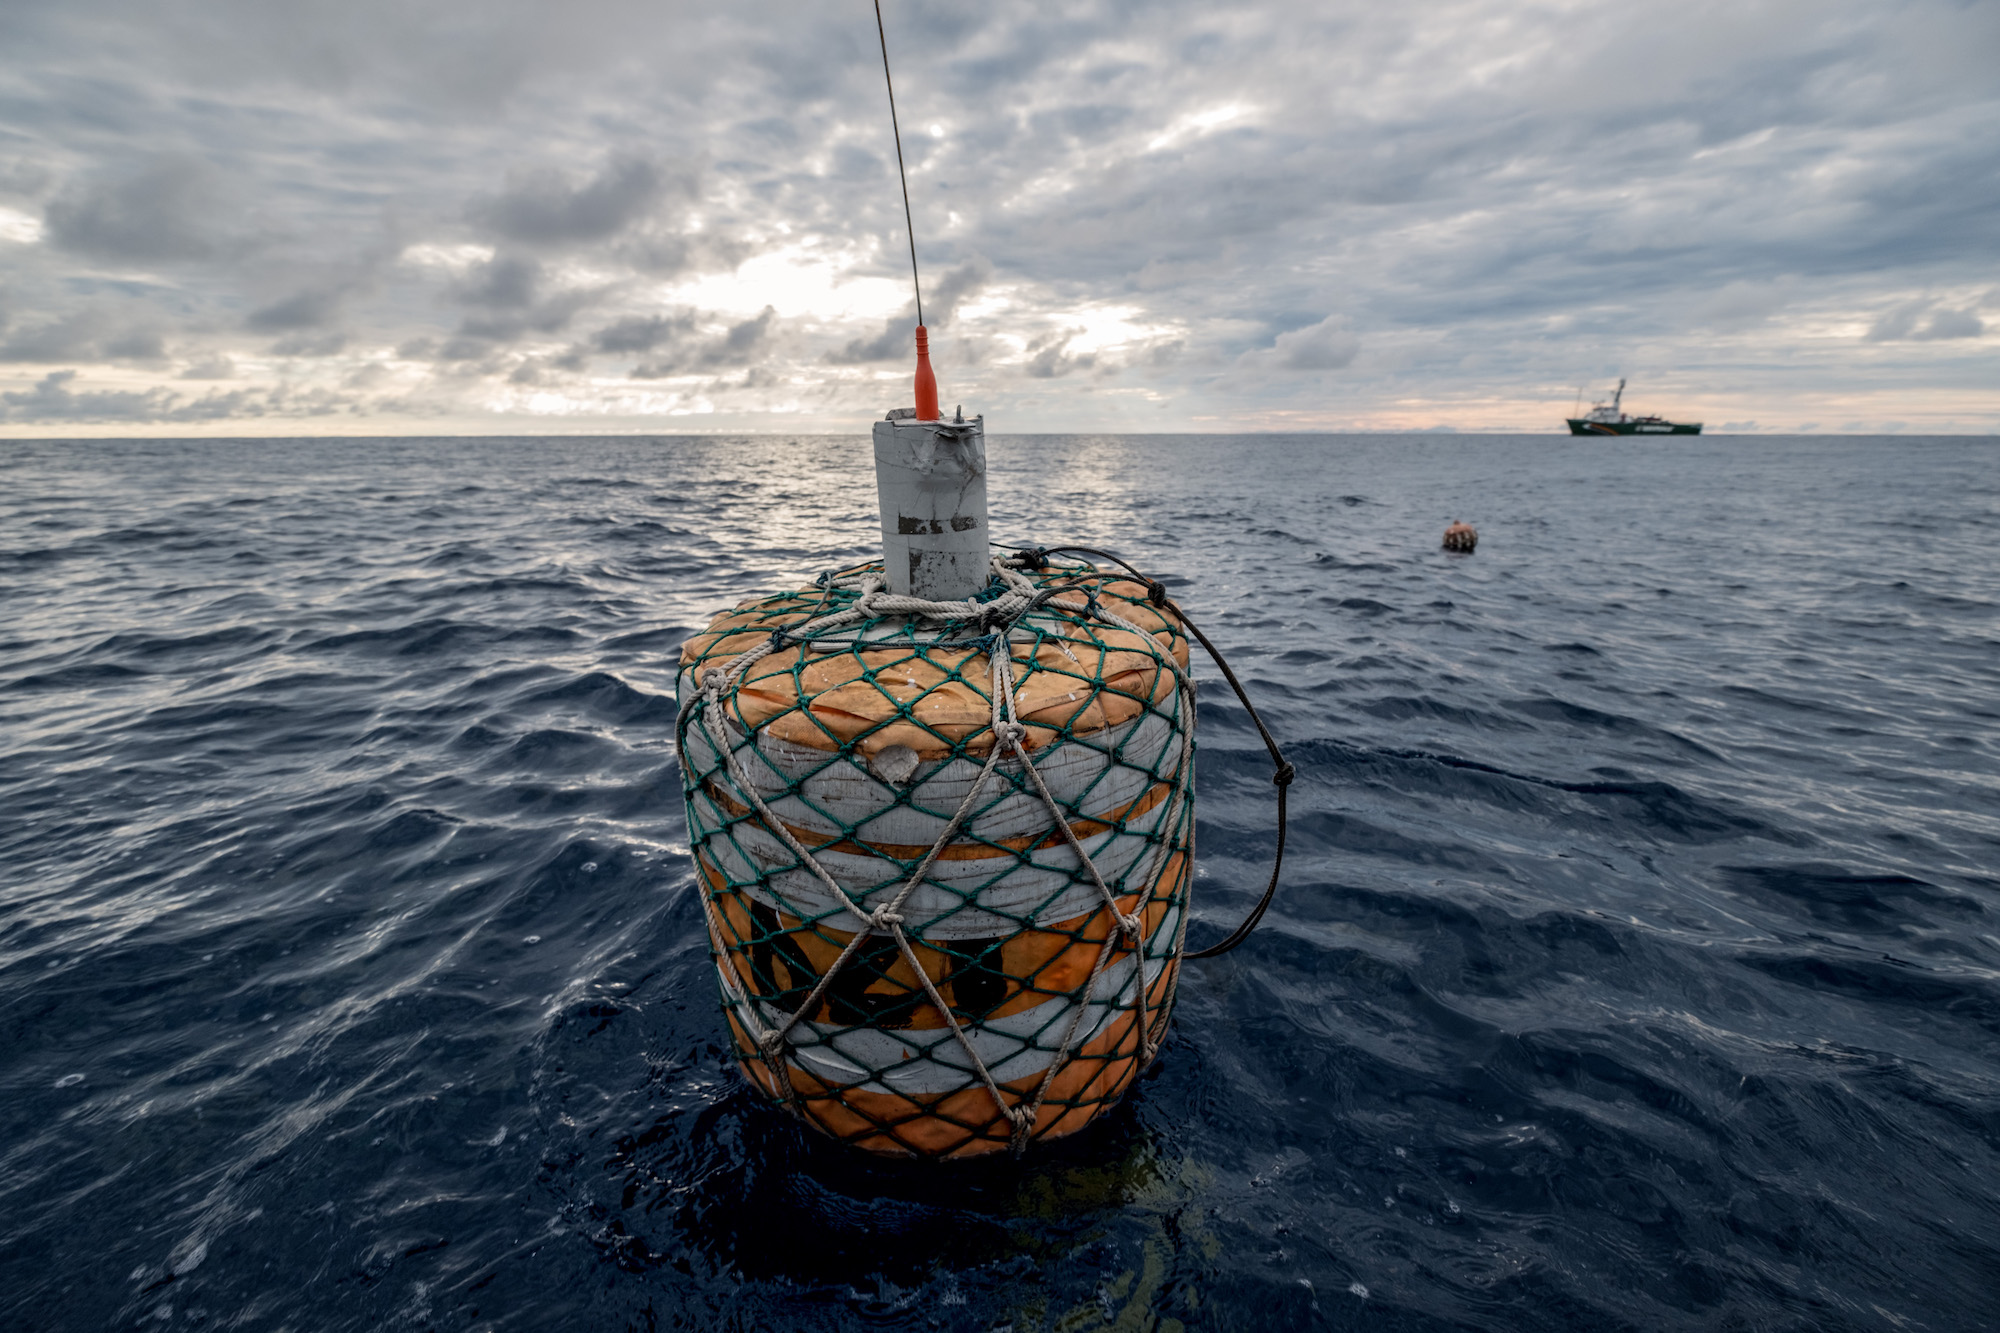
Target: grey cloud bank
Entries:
(607, 215)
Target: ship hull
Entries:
(1578, 426)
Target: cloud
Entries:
(643, 333)
(550, 207)
(215, 367)
(310, 309)
(220, 405)
(19, 227)
(1743, 305)
(1952, 324)
(1906, 321)
(53, 400)
(1323, 346)
(896, 341)
(1048, 357)
(508, 298)
(464, 347)
(472, 183)
(86, 334)
(135, 345)
(310, 344)
(170, 209)
(550, 316)
(738, 345)
(20, 177)
(504, 282)
(743, 340)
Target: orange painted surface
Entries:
(927, 398)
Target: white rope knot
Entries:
(772, 1042)
(1130, 923)
(714, 682)
(1012, 733)
(883, 919)
(1021, 1120)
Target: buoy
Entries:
(945, 867)
(1460, 537)
(941, 810)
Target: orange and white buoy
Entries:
(941, 809)
(1461, 537)
(942, 813)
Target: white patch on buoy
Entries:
(894, 764)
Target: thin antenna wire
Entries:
(908, 226)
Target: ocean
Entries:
(1637, 963)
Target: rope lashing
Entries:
(874, 979)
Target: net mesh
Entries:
(944, 849)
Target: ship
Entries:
(1609, 419)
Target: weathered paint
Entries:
(931, 479)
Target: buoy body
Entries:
(1460, 537)
(925, 947)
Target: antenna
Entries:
(909, 227)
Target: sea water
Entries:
(1637, 963)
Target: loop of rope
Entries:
(1282, 771)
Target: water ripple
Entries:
(1635, 968)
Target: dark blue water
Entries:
(1638, 965)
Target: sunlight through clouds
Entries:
(1346, 216)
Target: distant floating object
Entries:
(1608, 419)
(1460, 537)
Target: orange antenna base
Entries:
(927, 400)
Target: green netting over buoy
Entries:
(944, 848)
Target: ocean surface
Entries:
(1637, 964)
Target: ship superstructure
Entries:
(1610, 419)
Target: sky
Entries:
(342, 217)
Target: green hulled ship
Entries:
(1609, 419)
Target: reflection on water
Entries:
(1636, 965)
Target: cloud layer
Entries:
(613, 215)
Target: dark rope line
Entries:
(908, 226)
(1282, 771)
